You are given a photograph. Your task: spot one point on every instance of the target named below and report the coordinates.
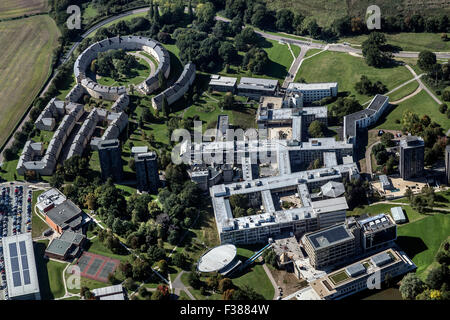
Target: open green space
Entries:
(95, 246)
(347, 70)
(375, 209)
(403, 91)
(25, 63)
(18, 8)
(408, 41)
(295, 49)
(421, 104)
(38, 226)
(339, 277)
(50, 273)
(421, 239)
(311, 52)
(135, 76)
(255, 277)
(280, 59)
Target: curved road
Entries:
(330, 47)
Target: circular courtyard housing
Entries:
(221, 259)
(127, 43)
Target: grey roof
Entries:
(411, 142)
(218, 80)
(381, 259)
(377, 102)
(355, 269)
(64, 212)
(330, 236)
(108, 291)
(384, 180)
(20, 265)
(297, 86)
(258, 83)
(58, 247)
(333, 189)
(398, 214)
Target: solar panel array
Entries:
(18, 276)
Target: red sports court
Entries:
(96, 267)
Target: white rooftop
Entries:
(217, 258)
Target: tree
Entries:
(284, 20)
(316, 129)
(163, 266)
(205, 14)
(386, 139)
(190, 11)
(436, 277)
(179, 260)
(372, 50)
(427, 60)
(228, 52)
(411, 286)
(409, 194)
(132, 164)
(443, 108)
(225, 284)
(161, 293)
(165, 107)
(194, 280)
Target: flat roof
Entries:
(398, 214)
(312, 86)
(330, 236)
(20, 265)
(219, 80)
(64, 212)
(108, 291)
(217, 258)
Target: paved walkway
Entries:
(178, 285)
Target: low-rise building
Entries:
(311, 92)
(368, 273)
(115, 292)
(222, 84)
(67, 247)
(256, 87)
(20, 267)
(398, 215)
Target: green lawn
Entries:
(97, 247)
(403, 91)
(50, 273)
(136, 76)
(412, 214)
(255, 277)
(295, 49)
(421, 239)
(37, 225)
(421, 104)
(310, 52)
(280, 59)
(347, 70)
(339, 277)
(408, 41)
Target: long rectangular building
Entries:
(20, 267)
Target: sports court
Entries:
(96, 267)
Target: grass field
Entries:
(97, 247)
(411, 214)
(403, 91)
(25, 64)
(421, 239)
(38, 226)
(347, 70)
(421, 104)
(408, 41)
(18, 8)
(136, 75)
(127, 18)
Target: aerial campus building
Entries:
(288, 203)
(256, 87)
(338, 244)
(361, 275)
(222, 84)
(20, 267)
(79, 135)
(178, 89)
(411, 162)
(152, 47)
(147, 172)
(67, 247)
(115, 292)
(221, 259)
(310, 92)
(109, 153)
(354, 122)
(60, 213)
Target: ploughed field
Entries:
(25, 61)
(18, 8)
